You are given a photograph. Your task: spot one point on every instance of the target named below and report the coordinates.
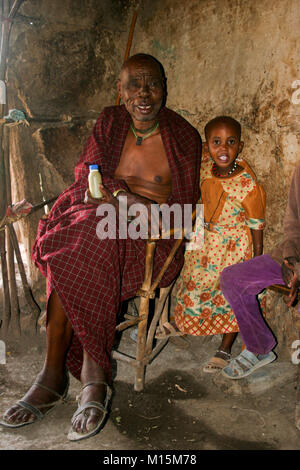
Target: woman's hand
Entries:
(107, 197)
(140, 218)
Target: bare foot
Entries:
(38, 397)
(89, 418)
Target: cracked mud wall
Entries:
(63, 67)
(237, 57)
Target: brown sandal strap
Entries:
(216, 362)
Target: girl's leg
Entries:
(222, 356)
(224, 349)
(240, 284)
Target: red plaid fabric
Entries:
(92, 276)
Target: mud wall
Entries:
(63, 67)
(237, 57)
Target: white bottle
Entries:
(94, 180)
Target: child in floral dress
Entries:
(234, 212)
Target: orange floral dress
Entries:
(232, 206)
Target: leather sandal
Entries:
(216, 363)
(76, 436)
(36, 409)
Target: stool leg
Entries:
(160, 316)
(142, 326)
(141, 346)
(297, 410)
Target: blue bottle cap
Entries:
(93, 167)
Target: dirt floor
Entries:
(180, 408)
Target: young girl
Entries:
(234, 211)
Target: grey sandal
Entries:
(246, 363)
(35, 409)
(76, 436)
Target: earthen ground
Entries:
(180, 408)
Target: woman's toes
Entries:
(26, 417)
(17, 415)
(78, 425)
(91, 422)
(83, 424)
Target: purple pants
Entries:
(240, 284)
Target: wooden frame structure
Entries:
(145, 351)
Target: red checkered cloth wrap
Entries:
(92, 276)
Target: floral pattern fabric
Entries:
(201, 308)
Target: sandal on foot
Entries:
(36, 409)
(216, 363)
(76, 436)
(246, 363)
(167, 330)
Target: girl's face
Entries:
(224, 145)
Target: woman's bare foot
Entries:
(93, 379)
(89, 418)
(38, 397)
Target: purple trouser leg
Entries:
(240, 284)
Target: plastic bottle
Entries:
(94, 180)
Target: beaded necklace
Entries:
(226, 174)
(139, 139)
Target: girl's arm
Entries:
(257, 240)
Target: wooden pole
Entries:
(3, 198)
(144, 312)
(13, 290)
(128, 47)
(7, 15)
(35, 309)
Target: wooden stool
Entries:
(285, 291)
(145, 352)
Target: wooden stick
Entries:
(15, 326)
(6, 296)
(144, 312)
(11, 220)
(4, 166)
(129, 42)
(297, 410)
(14, 8)
(4, 270)
(4, 41)
(13, 290)
(161, 311)
(3, 199)
(123, 357)
(35, 309)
